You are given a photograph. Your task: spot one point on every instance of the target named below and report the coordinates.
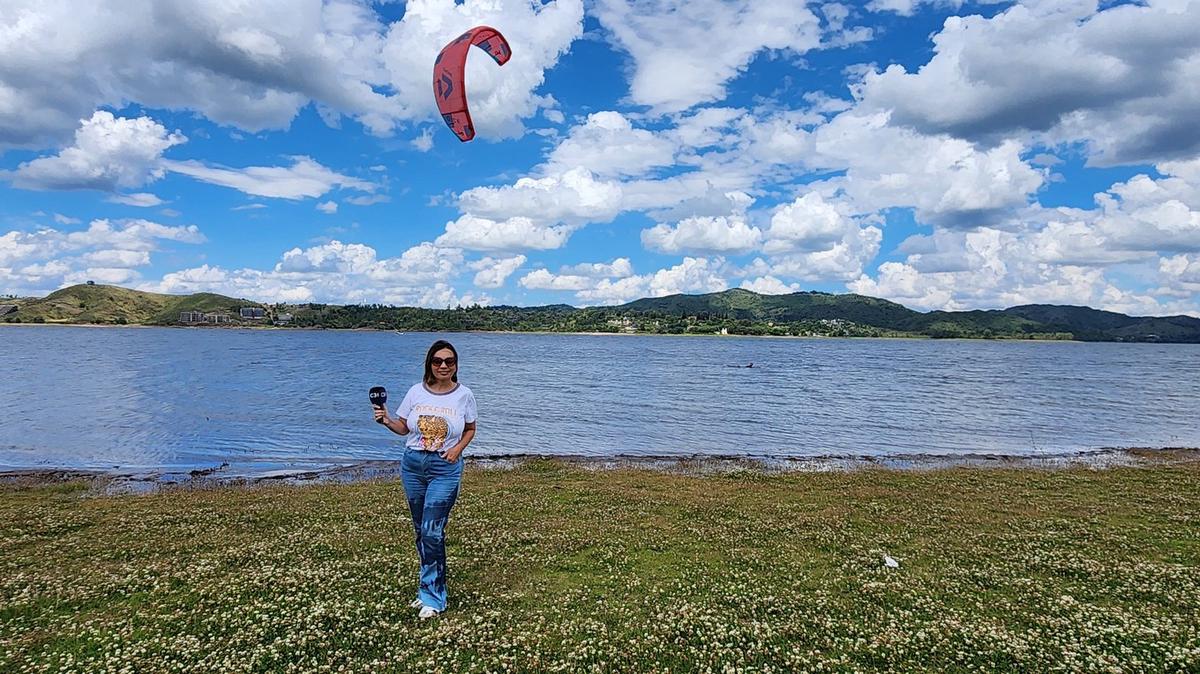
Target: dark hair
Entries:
(438, 346)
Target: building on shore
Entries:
(202, 317)
(252, 313)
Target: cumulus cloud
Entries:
(816, 239)
(1118, 79)
(251, 66)
(684, 52)
(106, 251)
(256, 66)
(574, 196)
(692, 275)
(703, 235)
(328, 207)
(492, 272)
(608, 145)
(999, 269)
(304, 178)
(109, 153)
(618, 268)
(513, 234)
(422, 275)
(949, 181)
(769, 285)
(581, 276)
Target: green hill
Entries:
(737, 312)
(1029, 321)
(738, 303)
(104, 304)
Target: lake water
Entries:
(172, 399)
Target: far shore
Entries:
(285, 328)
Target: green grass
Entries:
(559, 568)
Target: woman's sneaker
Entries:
(416, 603)
(427, 612)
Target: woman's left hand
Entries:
(451, 455)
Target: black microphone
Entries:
(379, 398)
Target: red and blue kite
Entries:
(449, 78)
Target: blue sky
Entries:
(943, 154)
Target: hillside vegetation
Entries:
(113, 305)
(735, 312)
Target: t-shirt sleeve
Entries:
(469, 411)
(406, 405)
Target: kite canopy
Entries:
(449, 80)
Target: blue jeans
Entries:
(431, 485)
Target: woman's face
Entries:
(444, 364)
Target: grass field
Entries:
(556, 567)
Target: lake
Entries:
(174, 399)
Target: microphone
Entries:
(379, 397)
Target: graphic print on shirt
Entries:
(433, 431)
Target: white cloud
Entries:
(256, 66)
(1118, 79)
(500, 97)
(608, 145)
(253, 66)
(542, 279)
(998, 269)
(574, 197)
(66, 220)
(685, 51)
(38, 262)
(419, 265)
(304, 178)
(949, 181)
(769, 285)
(332, 257)
(703, 235)
(120, 259)
(328, 207)
(139, 199)
(336, 272)
(692, 275)
(513, 234)
(618, 268)
(578, 277)
(109, 153)
(909, 7)
(816, 239)
(809, 223)
(424, 142)
(492, 272)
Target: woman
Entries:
(442, 411)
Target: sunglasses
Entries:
(449, 362)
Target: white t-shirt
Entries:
(435, 420)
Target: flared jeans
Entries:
(431, 486)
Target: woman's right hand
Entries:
(381, 415)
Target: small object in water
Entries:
(889, 562)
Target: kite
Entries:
(449, 80)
